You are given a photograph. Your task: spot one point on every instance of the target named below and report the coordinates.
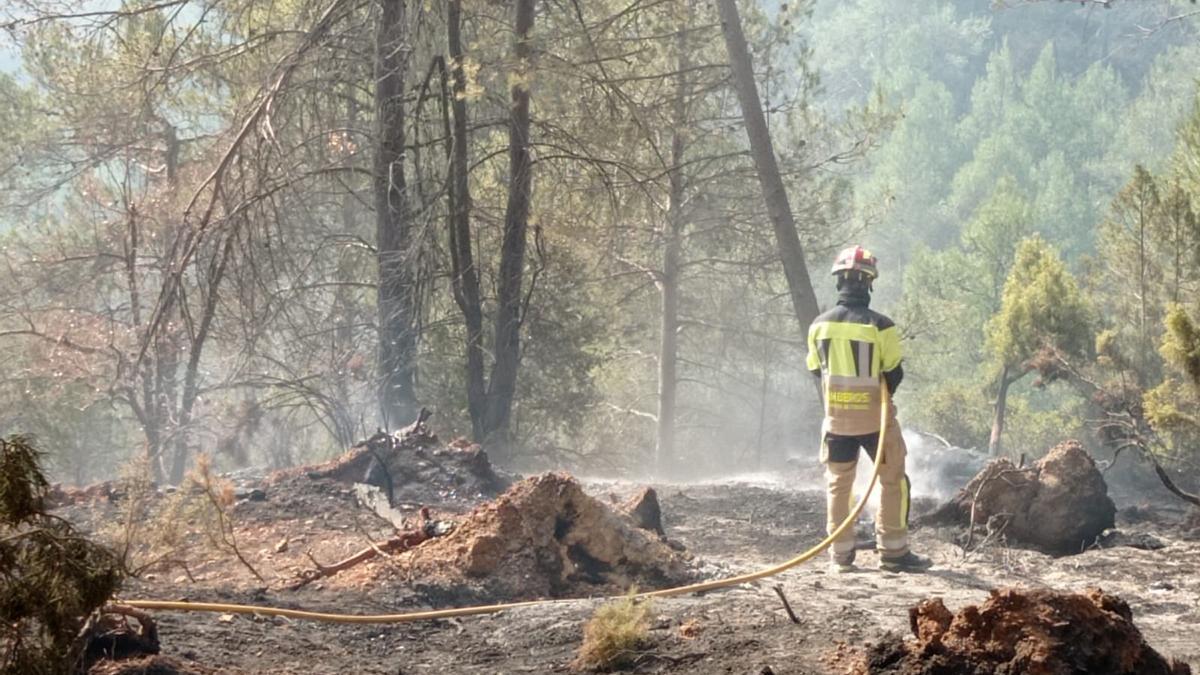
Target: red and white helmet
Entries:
(856, 259)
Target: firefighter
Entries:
(850, 347)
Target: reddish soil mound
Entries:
(1022, 632)
(64, 495)
(1060, 504)
(545, 537)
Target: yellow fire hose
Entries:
(167, 605)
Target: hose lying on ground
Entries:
(425, 615)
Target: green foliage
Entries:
(1040, 417)
(22, 485)
(1181, 344)
(1171, 407)
(956, 408)
(1057, 208)
(1150, 352)
(1167, 95)
(1028, 101)
(903, 44)
(910, 175)
(950, 295)
(613, 635)
(1149, 247)
(1186, 160)
(1042, 308)
(1032, 129)
(51, 578)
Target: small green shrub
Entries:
(51, 578)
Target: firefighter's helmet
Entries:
(856, 259)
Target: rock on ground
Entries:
(1059, 504)
(546, 537)
(644, 510)
(1022, 632)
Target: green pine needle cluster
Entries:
(1181, 344)
(1171, 406)
(51, 578)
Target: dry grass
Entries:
(216, 507)
(614, 634)
(160, 534)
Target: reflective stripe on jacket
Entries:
(852, 347)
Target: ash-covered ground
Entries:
(726, 527)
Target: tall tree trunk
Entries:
(1142, 275)
(507, 346)
(146, 411)
(668, 352)
(191, 376)
(397, 291)
(787, 240)
(165, 391)
(994, 442)
(464, 276)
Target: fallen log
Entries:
(369, 456)
(425, 530)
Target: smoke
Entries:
(935, 470)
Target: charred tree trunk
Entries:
(156, 373)
(397, 290)
(464, 277)
(787, 240)
(507, 346)
(994, 442)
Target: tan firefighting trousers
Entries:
(891, 522)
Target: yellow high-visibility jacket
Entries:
(851, 347)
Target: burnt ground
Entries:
(729, 527)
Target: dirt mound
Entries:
(1060, 504)
(1022, 632)
(61, 495)
(546, 537)
(411, 465)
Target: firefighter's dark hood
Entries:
(854, 295)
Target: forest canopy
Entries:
(260, 229)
